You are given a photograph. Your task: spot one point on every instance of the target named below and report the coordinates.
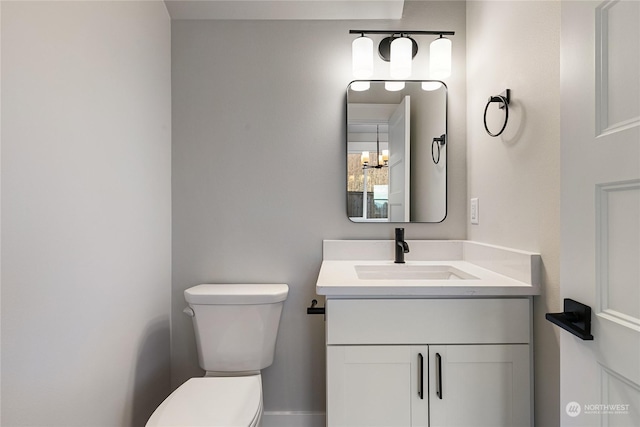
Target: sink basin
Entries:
(411, 272)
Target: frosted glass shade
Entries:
(400, 58)
(364, 157)
(384, 156)
(360, 86)
(362, 57)
(393, 86)
(429, 86)
(440, 59)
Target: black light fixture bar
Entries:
(425, 33)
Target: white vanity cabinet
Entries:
(429, 362)
(377, 386)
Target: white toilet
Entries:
(236, 328)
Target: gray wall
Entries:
(86, 219)
(259, 171)
(258, 182)
(429, 181)
(516, 176)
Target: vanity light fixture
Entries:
(440, 58)
(399, 49)
(400, 57)
(362, 62)
(439, 62)
(382, 157)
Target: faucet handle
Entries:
(401, 246)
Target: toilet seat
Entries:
(212, 401)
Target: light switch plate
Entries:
(474, 213)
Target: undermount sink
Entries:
(411, 272)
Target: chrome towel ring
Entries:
(503, 99)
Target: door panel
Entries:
(600, 210)
(400, 162)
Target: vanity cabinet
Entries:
(429, 362)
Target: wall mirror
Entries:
(397, 151)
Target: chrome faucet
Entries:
(401, 246)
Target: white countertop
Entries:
(498, 271)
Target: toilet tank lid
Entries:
(237, 293)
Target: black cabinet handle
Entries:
(438, 376)
(576, 318)
(420, 376)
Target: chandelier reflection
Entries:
(382, 157)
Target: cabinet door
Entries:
(377, 386)
(480, 385)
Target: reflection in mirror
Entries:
(397, 151)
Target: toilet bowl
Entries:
(212, 401)
(235, 328)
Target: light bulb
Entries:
(440, 59)
(362, 57)
(400, 58)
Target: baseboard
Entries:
(293, 419)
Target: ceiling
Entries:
(285, 9)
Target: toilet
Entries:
(236, 328)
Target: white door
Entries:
(377, 386)
(400, 162)
(600, 210)
(480, 385)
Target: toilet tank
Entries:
(236, 325)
